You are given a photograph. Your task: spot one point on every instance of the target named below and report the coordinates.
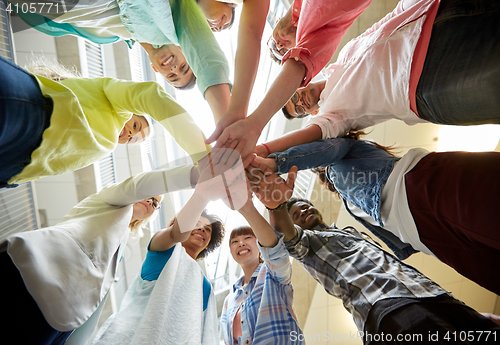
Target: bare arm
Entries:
(263, 231)
(252, 23)
(212, 184)
(250, 128)
(218, 97)
(188, 216)
(281, 90)
(273, 191)
(281, 222)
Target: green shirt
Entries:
(157, 22)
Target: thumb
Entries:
(292, 175)
(215, 135)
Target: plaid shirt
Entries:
(267, 316)
(357, 271)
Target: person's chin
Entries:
(312, 222)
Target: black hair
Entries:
(190, 84)
(233, 14)
(286, 113)
(293, 201)
(218, 232)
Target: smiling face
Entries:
(304, 101)
(305, 215)
(219, 14)
(169, 61)
(244, 249)
(135, 130)
(200, 237)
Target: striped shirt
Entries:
(357, 271)
(267, 316)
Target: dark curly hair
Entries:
(218, 232)
(294, 200)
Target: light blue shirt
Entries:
(266, 301)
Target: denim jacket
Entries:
(358, 170)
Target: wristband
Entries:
(278, 208)
(267, 148)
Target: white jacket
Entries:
(68, 268)
(167, 311)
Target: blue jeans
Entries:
(460, 81)
(24, 115)
(22, 317)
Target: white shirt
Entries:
(369, 83)
(395, 211)
(68, 268)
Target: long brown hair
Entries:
(355, 135)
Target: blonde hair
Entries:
(51, 69)
(136, 226)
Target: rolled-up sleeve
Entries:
(320, 153)
(298, 247)
(320, 28)
(331, 125)
(278, 261)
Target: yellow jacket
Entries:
(88, 116)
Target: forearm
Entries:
(188, 217)
(280, 92)
(263, 231)
(252, 23)
(180, 231)
(218, 97)
(295, 138)
(282, 223)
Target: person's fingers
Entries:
(222, 154)
(234, 154)
(222, 138)
(292, 175)
(247, 160)
(254, 174)
(254, 164)
(215, 135)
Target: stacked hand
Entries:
(270, 188)
(222, 175)
(228, 130)
(261, 151)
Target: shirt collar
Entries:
(239, 282)
(322, 227)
